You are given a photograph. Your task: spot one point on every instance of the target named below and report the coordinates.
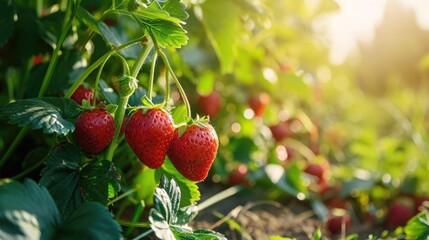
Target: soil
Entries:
(247, 216)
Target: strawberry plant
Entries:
(83, 173)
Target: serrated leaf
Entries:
(176, 9)
(155, 12)
(90, 221)
(166, 33)
(97, 26)
(96, 180)
(7, 12)
(48, 113)
(27, 211)
(189, 189)
(61, 177)
(418, 227)
(221, 19)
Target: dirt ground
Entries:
(247, 216)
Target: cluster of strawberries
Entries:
(152, 136)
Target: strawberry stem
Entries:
(152, 76)
(122, 104)
(97, 63)
(97, 79)
(176, 80)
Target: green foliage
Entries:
(189, 189)
(7, 11)
(90, 221)
(221, 19)
(50, 114)
(27, 211)
(418, 227)
(98, 26)
(169, 221)
(163, 26)
(61, 176)
(100, 181)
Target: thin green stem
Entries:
(219, 197)
(122, 106)
(140, 61)
(55, 54)
(129, 192)
(119, 116)
(167, 88)
(30, 169)
(133, 224)
(176, 80)
(152, 75)
(124, 64)
(143, 234)
(14, 144)
(97, 80)
(136, 215)
(97, 63)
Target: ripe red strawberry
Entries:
(82, 93)
(338, 219)
(238, 175)
(210, 104)
(94, 130)
(318, 170)
(398, 214)
(149, 135)
(258, 103)
(194, 152)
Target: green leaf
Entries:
(165, 29)
(221, 19)
(418, 227)
(293, 178)
(189, 189)
(90, 221)
(276, 174)
(48, 113)
(317, 234)
(27, 211)
(97, 26)
(100, 181)
(7, 12)
(176, 9)
(169, 221)
(166, 33)
(61, 177)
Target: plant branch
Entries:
(55, 54)
(152, 76)
(98, 63)
(176, 80)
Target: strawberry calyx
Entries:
(198, 121)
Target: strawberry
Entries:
(398, 214)
(82, 93)
(194, 151)
(258, 103)
(318, 170)
(94, 130)
(338, 219)
(210, 104)
(149, 134)
(238, 175)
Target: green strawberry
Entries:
(149, 135)
(194, 151)
(94, 130)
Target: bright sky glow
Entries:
(356, 20)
